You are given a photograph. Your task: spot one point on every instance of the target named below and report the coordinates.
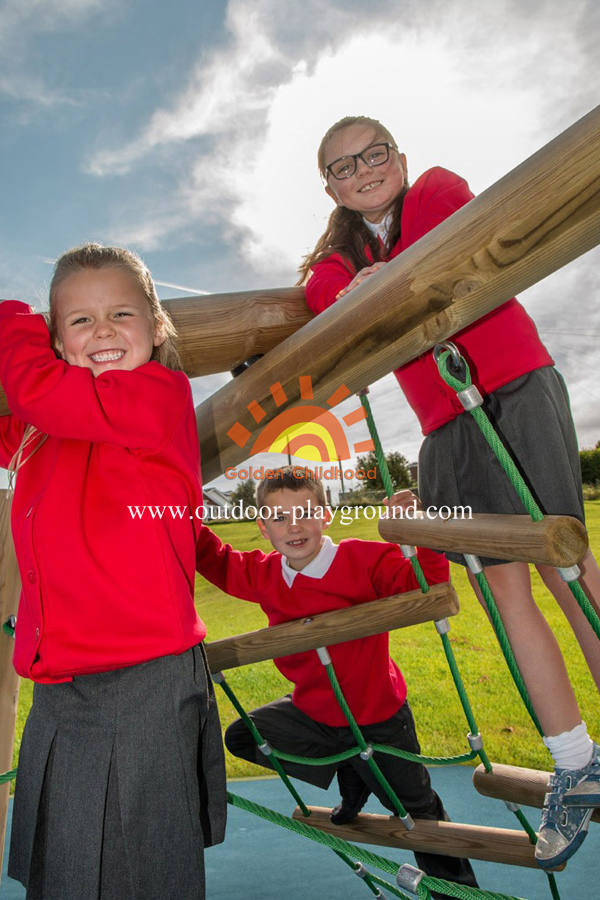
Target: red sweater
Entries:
(361, 571)
(501, 346)
(100, 589)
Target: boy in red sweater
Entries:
(305, 575)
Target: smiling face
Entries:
(104, 321)
(298, 541)
(370, 191)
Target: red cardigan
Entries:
(100, 590)
(361, 571)
(501, 346)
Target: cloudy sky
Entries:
(189, 131)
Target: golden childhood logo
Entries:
(310, 432)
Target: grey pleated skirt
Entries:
(532, 416)
(120, 784)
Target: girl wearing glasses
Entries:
(377, 216)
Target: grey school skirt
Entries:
(120, 784)
(533, 419)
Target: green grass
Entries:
(509, 736)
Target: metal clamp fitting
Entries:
(368, 753)
(408, 550)
(407, 821)
(265, 748)
(237, 370)
(470, 397)
(323, 654)
(218, 677)
(475, 741)
(360, 870)
(570, 574)
(442, 626)
(474, 563)
(409, 878)
(513, 807)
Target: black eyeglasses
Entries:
(345, 166)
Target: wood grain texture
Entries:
(333, 627)
(527, 787)
(554, 541)
(10, 588)
(500, 845)
(539, 217)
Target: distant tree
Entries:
(245, 493)
(397, 464)
(590, 466)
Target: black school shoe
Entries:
(350, 806)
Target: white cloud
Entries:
(453, 82)
(474, 87)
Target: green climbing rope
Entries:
(260, 742)
(459, 891)
(422, 582)
(505, 460)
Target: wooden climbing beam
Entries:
(499, 845)
(217, 332)
(539, 217)
(10, 587)
(374, 617)
(527, 787)
(553, 541)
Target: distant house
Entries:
(413, 471)
(217, 504)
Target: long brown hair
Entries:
(96, 256)
(346, 232)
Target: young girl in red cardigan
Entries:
(377, 216)
(120, 783)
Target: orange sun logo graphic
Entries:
(309, 432)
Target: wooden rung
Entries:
(553, 541)
(498, 845)
(334, 627)
(526, 787)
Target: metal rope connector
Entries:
(218, 677)
(475, 742)
(442, 626)
(367, 754)
(474, 563)
(452, 348)
(513, 807)
(570, 574)
(360, 870)
(407, 821)
(265, 748)
(408, 550)
(470, 398)
(323, 654)
(9, 626)
(409, 878)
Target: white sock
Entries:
(571, 749)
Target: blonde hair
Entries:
(96, 256)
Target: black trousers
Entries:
(288, 729)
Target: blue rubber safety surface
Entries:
(260, 861)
